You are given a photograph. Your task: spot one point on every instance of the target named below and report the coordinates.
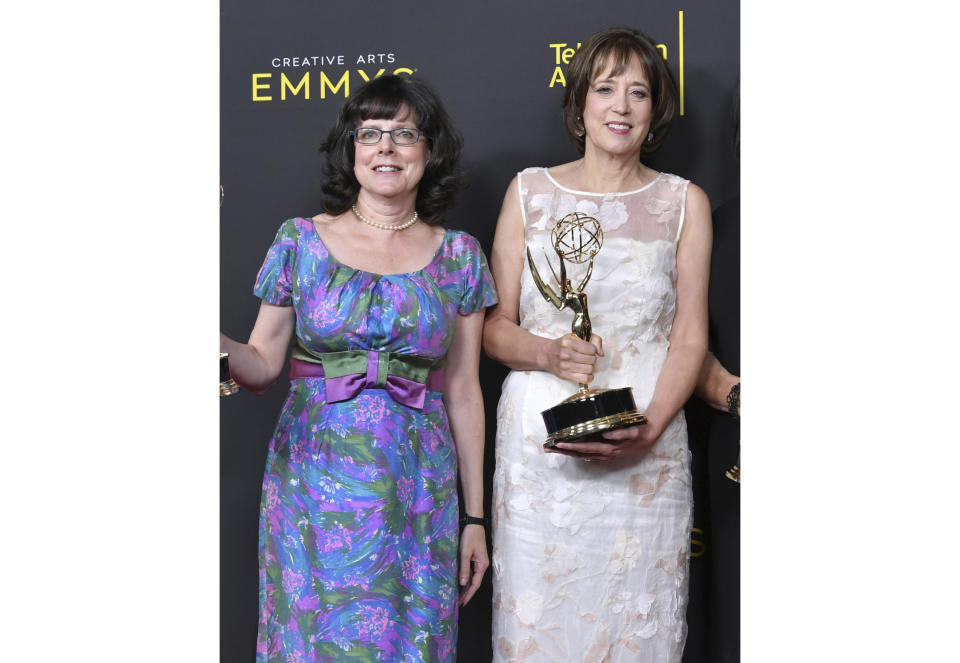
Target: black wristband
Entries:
(733, 400)
(473, 520)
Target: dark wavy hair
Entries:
(383, 98)
(616, 45)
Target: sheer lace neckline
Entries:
(546, 171)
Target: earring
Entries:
(580, 129)
(650, 137)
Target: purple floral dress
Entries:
(358, 521)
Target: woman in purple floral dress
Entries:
(361, 553)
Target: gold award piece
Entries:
(227, 385)
(577, 239)
(734, 472)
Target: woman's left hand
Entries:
(473, 560)
(623, 441)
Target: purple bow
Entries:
(342, 388)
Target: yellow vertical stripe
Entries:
(681, 62)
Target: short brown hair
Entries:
(616, 45)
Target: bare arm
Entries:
(688, 338)
(567, 357)
(256, 364)
(714, 383)
(463, 401)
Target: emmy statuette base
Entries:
(590, 413)
(227, 386)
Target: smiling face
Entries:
(387, 169)
(617, 110)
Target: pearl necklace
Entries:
(385, 226)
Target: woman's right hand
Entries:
(571, 358)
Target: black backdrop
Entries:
(288, 65)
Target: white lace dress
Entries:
(590, 560)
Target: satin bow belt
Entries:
(407, 378)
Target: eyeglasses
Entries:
(372, 135)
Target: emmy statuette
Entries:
(577, 239)
(734, 472)
(227, 385)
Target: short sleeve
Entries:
(274, 283)
(478, 290)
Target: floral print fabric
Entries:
(358, 523)
(590, 559)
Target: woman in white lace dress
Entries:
(591, 543)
